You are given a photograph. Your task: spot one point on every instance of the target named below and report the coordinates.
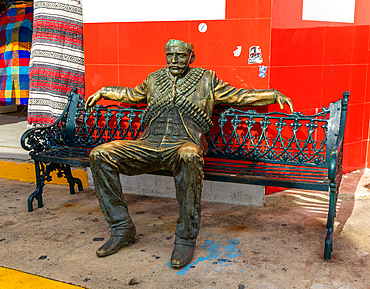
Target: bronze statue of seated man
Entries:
(180, 101)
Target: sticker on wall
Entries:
(202, 27)
(255, 55)
(263, 70)
(238, 51)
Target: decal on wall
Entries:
(262, 70)
(255, 55)
(202, 27)
(238, 51)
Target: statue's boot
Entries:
(126, 237)
(181, 255)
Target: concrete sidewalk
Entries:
(277, 246)
(12, 127)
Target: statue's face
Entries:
(177, 59)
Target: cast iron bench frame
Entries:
(269, 149)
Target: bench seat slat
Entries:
(65, 155)
(271, 175)
(258, 174)
(268, 171)
(255, 180)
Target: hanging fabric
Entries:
(15, 46)
(57, 59)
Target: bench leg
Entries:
(42, 174)
(330, 221)
(71, 180)
(37, 194)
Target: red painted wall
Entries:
(315, 62)
(312, 62)
(125, 53)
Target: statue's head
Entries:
(179, 56)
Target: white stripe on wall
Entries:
(329, 10)
(152, 10)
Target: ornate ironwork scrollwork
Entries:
(43, 138)
(274, 137)
(106, 123)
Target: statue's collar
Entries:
(165, 80)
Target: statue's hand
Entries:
(281, 99)
(92, 100)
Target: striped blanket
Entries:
(57, 60)
(15, 44)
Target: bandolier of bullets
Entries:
(195, 113)
(154, 107)
(184, 88)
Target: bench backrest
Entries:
(241, 135)
(278, 137)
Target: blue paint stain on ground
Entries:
(219, 253)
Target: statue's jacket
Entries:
(195, 95)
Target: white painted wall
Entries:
(95, 11)
(162, 186)
(329, 10)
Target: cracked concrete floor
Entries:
(279, 246)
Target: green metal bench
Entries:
(269, 149)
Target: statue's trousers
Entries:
(179, 155)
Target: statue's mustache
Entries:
(176, 66)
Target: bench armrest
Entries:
(43, 138)
(335, 163)
(336, 154)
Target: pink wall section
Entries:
(314, 62)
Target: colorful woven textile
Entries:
(15, 44)
(57, 59)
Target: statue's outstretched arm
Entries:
(117, 93)
(224, 93)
